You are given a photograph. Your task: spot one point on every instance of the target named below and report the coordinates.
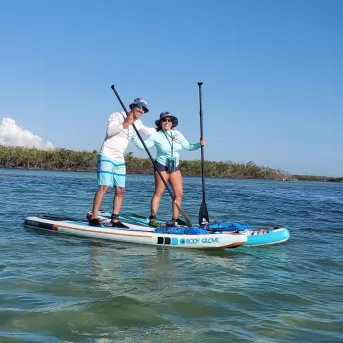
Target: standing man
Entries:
(111, 168)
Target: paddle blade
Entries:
(184, 214)
(203, 214)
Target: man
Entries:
(111, 169)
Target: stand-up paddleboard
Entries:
(255, 237)
(176, 237)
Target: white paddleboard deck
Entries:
(135, 234)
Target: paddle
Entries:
(184, 214)
(203, 213)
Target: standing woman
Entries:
(168, 142)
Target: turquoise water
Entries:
(56, 288)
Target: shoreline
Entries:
(71, 160)
(293, 179)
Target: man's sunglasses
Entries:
(142, 108)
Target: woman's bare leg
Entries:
(175, 179)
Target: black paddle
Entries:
(203, 213)
(184, 214)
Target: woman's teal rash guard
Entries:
(168, 144)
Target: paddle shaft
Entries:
(202, 147)
(203, 213)
(152, 160)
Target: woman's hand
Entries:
(203, 142)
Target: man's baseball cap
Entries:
(139, 102)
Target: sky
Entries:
(272, 75)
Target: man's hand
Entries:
(129, 120)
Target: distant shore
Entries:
(71, 160)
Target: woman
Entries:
(168, 142)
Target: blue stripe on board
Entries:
(174, 241)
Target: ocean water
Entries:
(56, 288)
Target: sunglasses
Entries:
(169, 120)
(142, 108)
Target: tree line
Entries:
(66, 159)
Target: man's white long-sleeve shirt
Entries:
(117, 138)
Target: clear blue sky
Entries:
(272, 73)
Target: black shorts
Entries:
(162, 167)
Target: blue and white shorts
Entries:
(110, 173)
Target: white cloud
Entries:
(12, 134)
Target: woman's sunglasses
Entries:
(169, 120)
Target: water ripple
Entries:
(59, 288)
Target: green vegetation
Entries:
(215, 169)
(318, 178)
(65, 159)
(60, 159)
